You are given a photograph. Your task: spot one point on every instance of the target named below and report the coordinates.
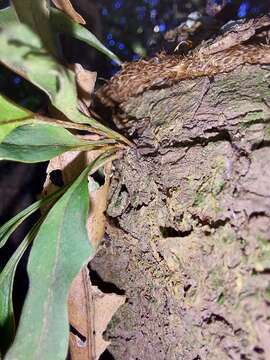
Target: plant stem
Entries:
(101, 130)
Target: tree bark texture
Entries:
(188, 235)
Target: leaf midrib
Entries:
(52, 277)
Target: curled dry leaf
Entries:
(67, 7)
(69, 165)
(81, 318)
(105, 306)
(98, 204)
(90, 311)
(85, 83)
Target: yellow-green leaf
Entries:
(10, 226)
(12, 116)
(41, 142)
(7, 321)
(23, 52)
(36, 14)
(64, 24)
(60, 249)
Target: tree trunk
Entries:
(188, 235)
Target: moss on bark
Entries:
(188, 235)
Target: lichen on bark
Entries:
(188, 235)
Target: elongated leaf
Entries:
(67, 7)
(7, 16)
(64, 24)
(23, 52)
(10, 226)
(7, 321)
(10, 111)
(60, 249)
(36, 14)
(39, 142)
(12, 116)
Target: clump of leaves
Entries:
(31, 48)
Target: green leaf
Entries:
(60, 249)
(61, 23)
(64, 24)
(23, 52)
(12, 116)
(10, 226)
(36, 14)
(39, 142)
(11, 111)
(7, 321)
(7, 16)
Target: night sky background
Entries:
(131, 28)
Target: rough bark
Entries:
(188, 235)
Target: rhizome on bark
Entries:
(188, 234)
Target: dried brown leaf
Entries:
(105, 306)
(81, 318)
(90, 311)
(71, 164)
(67, 7)
(98, 200)
(85, 83)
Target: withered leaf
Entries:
(85, 83)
